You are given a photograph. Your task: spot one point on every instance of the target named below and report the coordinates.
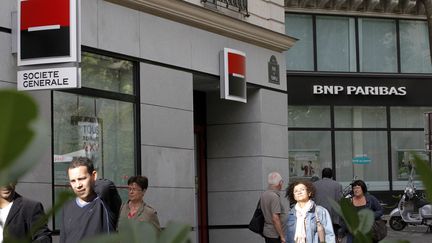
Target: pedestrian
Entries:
(327, 190)
(362, 199)
(95, 209)
(19, 216)
(136, 208)
(273, 210)
(302, 225)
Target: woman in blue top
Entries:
(301, 224)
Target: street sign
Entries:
(361, 160)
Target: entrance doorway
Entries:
(200, 166)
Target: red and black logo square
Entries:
(44, 28)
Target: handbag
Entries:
(257, 222)
(320, 228)
(379, 230)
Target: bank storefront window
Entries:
(406, 144)
(408, 117)
(336, 42)
(363, 154)
(377, 45)
(360, 117)
(97, 121)
(309, 153)
(301, 55)
(309, 116)
(415, 54)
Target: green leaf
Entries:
(362, 238)
(175, 233)
(366, 220)
(29, 156)
(425, 172)
(349, 215)
(17, 111)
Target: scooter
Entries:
(347, 191)
(412, 208)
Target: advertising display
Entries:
(303, 164)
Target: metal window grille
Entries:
(235, 5)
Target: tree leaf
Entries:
(361, 238)
(366, 220)
(175, 233)
(17, 112)
(349, 215)
(425, 172)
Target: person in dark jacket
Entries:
(96, 208)
(362, 199)
(20, 216)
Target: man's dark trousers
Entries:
(272, 240)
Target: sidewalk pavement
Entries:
(414, 234)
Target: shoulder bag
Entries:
(379, 230)
(320, 228)
(257, 222)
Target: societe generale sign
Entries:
(48, 36)
(232, 75)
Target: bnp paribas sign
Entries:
(49, 50)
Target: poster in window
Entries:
(405, 161)
(90, 138)
(303, 164)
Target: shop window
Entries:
(408, 117)
(377, 45)
(360, 117)
(362, 154)
(309, 153)
(301, 55)
(98, 124)
(336, 42)
(309, 116)
(406, 144)
(107, 73)
(415, 54)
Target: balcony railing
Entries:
(240, 6)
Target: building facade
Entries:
(339, 84)
(357, 90)
(150, 104)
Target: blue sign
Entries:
(361, 160)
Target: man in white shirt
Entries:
(19, 216)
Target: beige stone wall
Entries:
(268, 14)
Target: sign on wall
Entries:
(48, 36)
(52, 78)
(273, 71)
(47, 31)
(233, 75)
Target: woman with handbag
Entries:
(361, 199)
(306, 221)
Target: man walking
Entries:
(96, 208)
(327, 189)
(273, 210)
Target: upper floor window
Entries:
(355, 44)
(414, 47)
(335, 44)
(300, 56)
(377, 45)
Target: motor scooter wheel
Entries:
(397, 223)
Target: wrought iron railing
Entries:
(234, 5)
